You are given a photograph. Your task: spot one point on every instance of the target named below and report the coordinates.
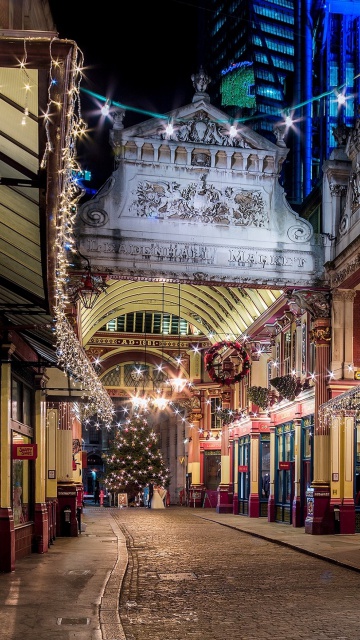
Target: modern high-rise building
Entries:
(269, 59)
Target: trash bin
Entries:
(336, 518)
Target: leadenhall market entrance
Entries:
(203, 270)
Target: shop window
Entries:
(284, 443)
(21, 402)
(307, 429)
(265, 466)
(287, 352)
(212, 470)
(215, 413)
(21, 484)
(94, 435)
(244, 468)
(357, 465)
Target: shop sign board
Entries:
(284, 466)
(24, 451)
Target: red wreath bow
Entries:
(224, 379)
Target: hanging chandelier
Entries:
(145, 399)
(178, 383)
(89, 289)
(90, 286)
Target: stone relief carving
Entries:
(344, 224)
(299, 233)
(355, 184)
(204, 131)
(344, 273)
(317, 303)
(200, 202)
(339, 190)
(92, 213)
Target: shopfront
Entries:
(284, 471)
(23, 454)
(244, 474)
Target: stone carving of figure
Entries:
(341, 134)
(118, 117)
(200, 82)
(279, 132)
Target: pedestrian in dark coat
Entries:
(151, 493)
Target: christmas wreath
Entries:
(223, 377)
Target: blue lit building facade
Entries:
(271, 58)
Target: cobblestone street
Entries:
(188, 577)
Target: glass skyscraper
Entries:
(273, 58)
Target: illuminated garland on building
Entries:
(346, 403)
(71, 355)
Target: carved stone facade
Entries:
(198, 199)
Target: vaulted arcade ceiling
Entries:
(193, 222)
(214, 310)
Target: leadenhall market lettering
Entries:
(191, 253)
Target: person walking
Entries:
(150, 494)
(97, 495)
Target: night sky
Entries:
(141, 54)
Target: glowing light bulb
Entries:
(106, 108)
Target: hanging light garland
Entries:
(71, 355)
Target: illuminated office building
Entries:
(270, 58)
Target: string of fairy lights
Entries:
(286, 116)
(71, 355)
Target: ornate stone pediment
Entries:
(196, 197)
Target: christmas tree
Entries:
(134, 459)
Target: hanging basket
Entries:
(287, 386)
(259, 396)
(223, 377)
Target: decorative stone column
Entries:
(254, 500)
(317, 303)
(318, 496)
(66, 525)
(7, 529)
(41, 525)
(349, 335)
(51, 482)
(296, 505)
(195, 418)
(337, 333)
(342, 324)
(342, 471)
(271, 501)
(225, 493)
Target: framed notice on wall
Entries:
(122, 500)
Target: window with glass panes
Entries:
(215, 417)
(264, 460)
(244, 468)
(284, 453)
